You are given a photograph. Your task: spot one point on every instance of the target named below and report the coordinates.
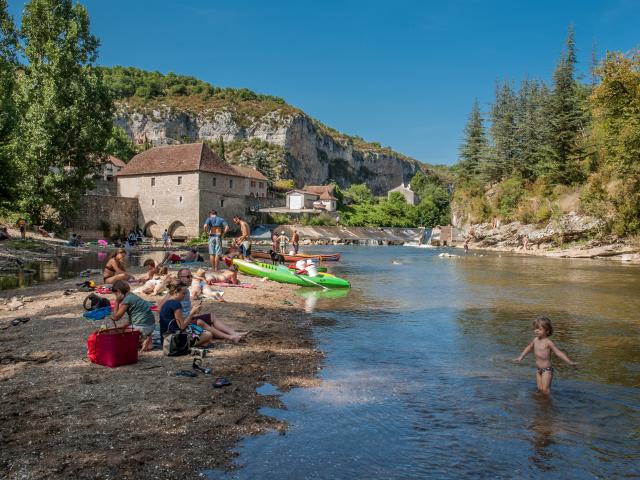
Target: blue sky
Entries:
(402, 72)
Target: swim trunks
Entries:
(545, 369)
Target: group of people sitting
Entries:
(176, 310)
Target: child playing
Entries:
(140, 315)
(542, 347)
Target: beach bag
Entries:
(113, 347)
(176, 344)
(94, 302)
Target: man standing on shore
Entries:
(22, 225)
(243, 241)
(295, 241)
(215, 227)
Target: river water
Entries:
(418, 380)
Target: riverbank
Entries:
(572, 236)
(63, 417)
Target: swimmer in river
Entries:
(542, 347)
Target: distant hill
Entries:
(257, 130)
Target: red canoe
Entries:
(331, 257)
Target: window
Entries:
(261, 184)
(231, 183)
(213, 181)
(180, 199)
(180, 181)
(222, 203)
(153, 202)
(153, 181)
(253, 183)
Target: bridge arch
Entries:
(177, 230)
(152, 229)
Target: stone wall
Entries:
(94, 210)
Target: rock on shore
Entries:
(572, 235)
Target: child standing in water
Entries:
(542, 347)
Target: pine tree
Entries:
(531, 127)
(501, 162)
(8, 112)
(221, 151)
(474, 148)
(565, 119)
(66, 110)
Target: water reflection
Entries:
(418, 380)
(543, 431)
(312, 295)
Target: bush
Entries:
(280, 219)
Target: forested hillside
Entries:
(546, 149)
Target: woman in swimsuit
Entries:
(115, 268)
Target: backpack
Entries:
(94, 302)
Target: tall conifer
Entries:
(565, 120)
(474, 148)
(503, 133)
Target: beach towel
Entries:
(97, 314)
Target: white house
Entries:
(409, 195)
(301, 200)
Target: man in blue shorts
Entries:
(215, 227)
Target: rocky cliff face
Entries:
(311, 153)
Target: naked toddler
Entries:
(542, 347)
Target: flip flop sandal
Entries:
(17, 321)
(186, 373)
(221, 382)
(198, 367)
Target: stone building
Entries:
(408, 194)
(177, 185)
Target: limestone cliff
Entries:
(295, 145)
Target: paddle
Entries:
(306, 279)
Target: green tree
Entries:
(8, 111)
(503, 132)
(616, 106)
(66, 111)
(532, 130)
(474, 147)
(221, 151)
(566, 120)
(120, 145)
(360, 193)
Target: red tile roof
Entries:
(249, 172)
(325, 191)
(116, 161)
(191, 157)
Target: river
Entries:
(419, 381)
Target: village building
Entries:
(177, 185)
(409, 195)
(313, 197)
(111, 167)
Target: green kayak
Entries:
(284, 275)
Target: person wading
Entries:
(215, 227)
